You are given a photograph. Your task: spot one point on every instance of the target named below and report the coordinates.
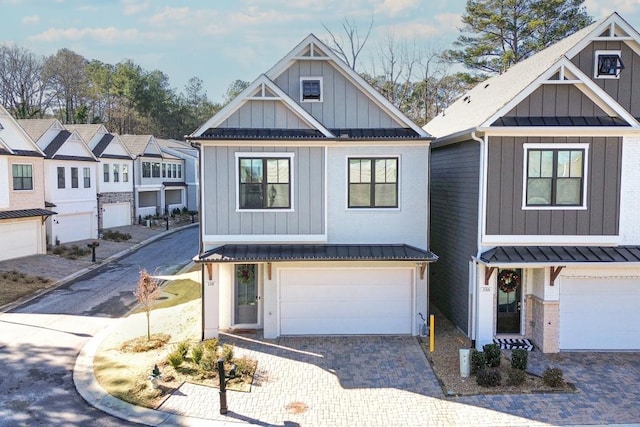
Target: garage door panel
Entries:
(599, 314)
(346, 301)
(116, 214)
(19, 239)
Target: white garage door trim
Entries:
(599, 314)
(346, 301)
(20, 238)
(116, 214)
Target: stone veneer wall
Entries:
(116, 197)
(542, 323)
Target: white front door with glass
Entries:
(246, 296)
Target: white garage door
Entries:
(116, 214)
(599, 314)
(346, 301)
(71, 228)
(19, 239)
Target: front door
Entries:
(246, 294)
(508, 310)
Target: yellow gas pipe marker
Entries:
(432, 334)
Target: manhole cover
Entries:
(296, 407)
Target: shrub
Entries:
(553, 377)
(175, 358)
(196, 353)
(488, 378)
(243, 366)
(183, 348)
(519, 359)
(493, 354)
(115, 236)
(478, 361)
(208, 362)
(516, 376)
(227, 353)
(211, 345)
(185, 211)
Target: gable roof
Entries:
(137, 144)
(15, 140)
(35, 128)
(490, 98)
(87, 131)
(264, 88)
(52, 149)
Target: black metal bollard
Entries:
(166, 218)
(93, 245)
(223, 387)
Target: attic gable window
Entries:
(310, 89)
(608, 64)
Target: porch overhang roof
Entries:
(25, 213)
(560, 255)
(247, 253)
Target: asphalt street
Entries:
(39, 341)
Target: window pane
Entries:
(251, 170)
(125, 173)
(146, 170)
(534, 164)
(278, 195)
(354, 171)
(116, 173)
(155, 170)
(538, 191)
(74, 177)
(386, 170)
(277, 171)
(251, 196)
(61, 183)
(385, 195)
(568, 191)
(576, 164)
(546, 164)
(564, 158)
(359, 195)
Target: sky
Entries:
(220, 41)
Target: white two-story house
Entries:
(189, 155)
(535, 198)
(22, 207)
(314, 205)
(115, 175)
(159, 185)
(70, 180)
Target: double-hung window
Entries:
(116, 173)
(61, 183)
(105, 173)
(155, 170)
(373, 182)
(125, 173)
(22, 177)
(555, 177)
(87, 177)
(74, 177)
(264, 182)
(146, 169)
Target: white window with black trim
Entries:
(373, 182)
(608, 64)
(310, 89)
(264, 181)
(555, 176)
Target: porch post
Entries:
(211, 300)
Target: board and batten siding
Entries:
(344, 105)
(264, 115)
(220, 186)
(622, 89)
(505, 176)
(557, 100)
(455, 174)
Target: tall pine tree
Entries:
(500, 33)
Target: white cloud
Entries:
(412, 30)
(133, 7)
(173, 15)
(394, 7)
(109, 35)
(600, 9)
(449, 21)
(33, 19)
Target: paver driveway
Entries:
(387, 381)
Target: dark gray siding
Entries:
(343, 106)
(505, 215)
(220, 182)
(454, 226)
(621, 89)
(556, 100)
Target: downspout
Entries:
(473, 306)
(200, 242)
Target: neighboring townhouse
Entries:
(314, 205)
(189, 155)
(70, 180)
(535, 195)
(159, 185)
(22, 206)
(115, 175)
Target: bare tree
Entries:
(66, 69)
(147, 291)
(349, 50)
(23, 88)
